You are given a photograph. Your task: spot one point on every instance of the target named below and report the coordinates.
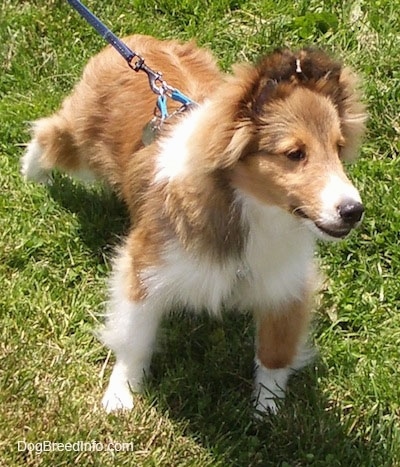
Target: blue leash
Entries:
(136, 62)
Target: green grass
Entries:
(56, 244)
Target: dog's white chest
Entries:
(278, 258)
(190, 281)
(275, 270)
(276, 263)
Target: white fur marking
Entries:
(83, 175)
(31, 165)
(130, 331)
(270, 386)
(118, 394)
(199, 284)
(278, 257)
(276, 265)
(336, 191)
(172, 161)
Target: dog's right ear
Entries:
(273, 77)
(264, 94)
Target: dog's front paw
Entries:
(269, 389)
(266, 403)
(117, 397)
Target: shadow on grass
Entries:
(102, 217)
(203, 376)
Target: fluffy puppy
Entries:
(226, 205)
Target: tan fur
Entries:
(280, 334)
(256, 118)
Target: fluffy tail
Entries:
(52, 146)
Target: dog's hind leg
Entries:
(53, 146)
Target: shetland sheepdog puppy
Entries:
(226, 204)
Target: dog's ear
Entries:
(265, 93)
(315, 66)
(275, 75)
(322, 74)
(352, 113)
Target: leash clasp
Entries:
(153, 76)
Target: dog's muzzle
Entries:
(348, 216)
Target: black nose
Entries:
(351, 211)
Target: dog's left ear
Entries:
(352, 113)
(319, 72)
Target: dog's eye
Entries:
(297, 155)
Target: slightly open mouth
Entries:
(335, 233)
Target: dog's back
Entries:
(100, 125)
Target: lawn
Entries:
(56, 245)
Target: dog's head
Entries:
(297, 117)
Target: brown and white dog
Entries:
(226, 204)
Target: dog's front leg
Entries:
(131, 334)
(279, 350)
(130, 330)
